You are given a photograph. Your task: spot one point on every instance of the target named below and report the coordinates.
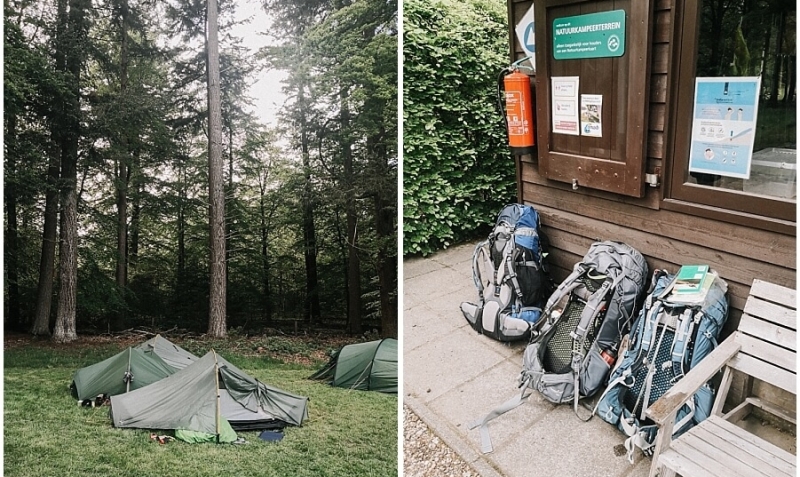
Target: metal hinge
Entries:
(653, 179)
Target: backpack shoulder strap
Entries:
(480, 250)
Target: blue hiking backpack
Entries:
(510, 276)
(670, 336)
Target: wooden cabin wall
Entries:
(572, 220)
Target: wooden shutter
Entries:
(616, 161)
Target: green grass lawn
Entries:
(47, 434)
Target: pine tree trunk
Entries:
(11, 247)
(133, 246)
(385, 214)
(311, 305)
(180, 276)
(353, 260)
(64, 331)
(65, 328)
(123, 174)
(264, 232)
(217, 280)
(44, 290)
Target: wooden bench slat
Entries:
(766, 372)
(769, 332)
(752, 439)
(776, 355)
(733, 440)
(775, 293)
(685, 466)
(708, 457)
(770, 312)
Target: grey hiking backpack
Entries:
(671, 335)
(582, 326)
(509, 273)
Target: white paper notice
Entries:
(591, 114)
(565, 104)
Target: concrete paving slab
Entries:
(448, 306)
(415, 267)
(443, 364)
(410, 301)
(455, 255)
(422, 325)
(453, 375)
(564, 445)
(430, 285)
(482, 394)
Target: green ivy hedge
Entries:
(457, 170)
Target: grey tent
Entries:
(370, 366)
(207, 398)
(130, 369)
(171, 353)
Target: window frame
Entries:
(722, 204)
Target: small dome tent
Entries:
(130, 369)
(370, 366)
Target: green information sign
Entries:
(596, 35)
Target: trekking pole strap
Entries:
(680, 347)
(486, 440)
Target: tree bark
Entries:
(11, 248)
(353, 260)
(44, 290)
(266, 293)
(180, 277)
(311, 305)
(217, 280)
(385, 213)
(65, 328)
(123, 174)
(133, 243)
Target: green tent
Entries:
(204, 399)
(368, 366)
(130, 369)
(171, 353)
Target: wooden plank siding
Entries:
(572, 220)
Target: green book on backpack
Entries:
(690, 279)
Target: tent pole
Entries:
(216, 380)
(127, 376)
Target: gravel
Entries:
(425, 455)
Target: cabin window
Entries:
(735, 123)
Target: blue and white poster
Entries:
(724, 125)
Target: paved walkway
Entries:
(452, 375)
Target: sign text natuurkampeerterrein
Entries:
(595, 35)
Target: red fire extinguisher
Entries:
(519, 112)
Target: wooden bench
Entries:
(763, 348)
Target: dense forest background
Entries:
(106, 187)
